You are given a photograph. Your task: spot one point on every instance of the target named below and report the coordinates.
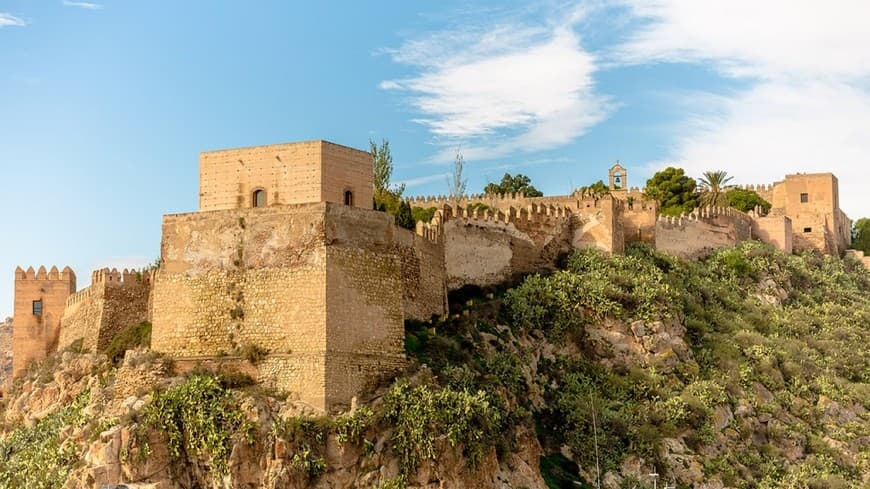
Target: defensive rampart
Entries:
(113, 301)
(704, 230)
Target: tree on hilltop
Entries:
(598, 188)
(745, 200)
(674, 191)
(861, 235)
(456, 182)
(713, 187)
(519, 184)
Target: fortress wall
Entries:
(639, 218)
(82, 315)
(244, 277)
(810, 232)
(598, 223)
(704, 230)
(773, 230)
(486, 248)
(501, 202)
(424, 274)
(321, 287)
(113, 301)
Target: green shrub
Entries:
(306, 443)
(132, 336)
(199, 418)
(419, 415)
(35, 456)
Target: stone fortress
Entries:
(287, 258)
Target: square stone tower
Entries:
(294, 173)
(812, 202)
(40, 298)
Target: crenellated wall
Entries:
(704, 230)
(113, 301)
(488, 247)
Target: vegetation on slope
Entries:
(779, 355)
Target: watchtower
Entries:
(294, 173)
(40, 298)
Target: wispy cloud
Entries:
(9, 20)
(501, 88)
(417, 181)
(807, 105)
(84, 5)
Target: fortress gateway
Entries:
(286, 257)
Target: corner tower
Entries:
(294, 173)
(40, 298)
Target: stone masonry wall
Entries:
(774, 230)
(35, 336)
(320, 287)
(294, 173)
(701, 232)
(485, 247)
(598, 223)
(113, 301)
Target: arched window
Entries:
(259, 198)
(348, 197)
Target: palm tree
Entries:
(713, 185)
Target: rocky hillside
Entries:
(749, 369)
(5, 351)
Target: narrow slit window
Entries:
(37, 308)
(348, 197)
(259, 198)
(808, 230)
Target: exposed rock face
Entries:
(110, 447)
(5, 352)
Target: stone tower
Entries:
(40, 298)
(293, 173)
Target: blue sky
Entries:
(105, 105)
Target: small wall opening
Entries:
(805, 198)
(348, 197)
(258, 198)
(808, 230)
(37, 308)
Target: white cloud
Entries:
(84, 5)
(807, 108)
(769, 39)
(9, 20)
(510, 87)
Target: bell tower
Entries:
(618, 177)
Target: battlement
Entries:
(701, 231)
(760, 188)
(705, 214)
(105, 277)
(64, 275)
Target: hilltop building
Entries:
(286, 272)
